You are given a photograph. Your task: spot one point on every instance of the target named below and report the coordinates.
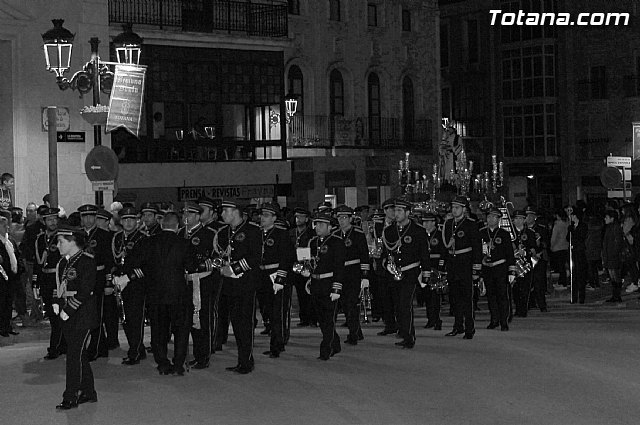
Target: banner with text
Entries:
(226, 192)
(125, 105)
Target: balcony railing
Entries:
(255, 19)
(318, 131)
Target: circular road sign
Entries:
(101, 164)
(611, 178)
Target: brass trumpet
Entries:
(302, 268)
(392, 268)
(365, 304)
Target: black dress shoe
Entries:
(387, 332)
(543, 310)
(303, 324)
(323, 358)
(88, 398)
(274, 355)
(149, 349)
(243, 370)
(400, 344)
(130, 362)
(200, 365)
(12, 332)
(409, 345)
(429, 325)
(438, 326)
(113, 346)
(351, 341)
(265, 331)
(469, 335)
(454, 332)
(178, 371)
(504, 328)
(335, 351)
(165, 370)
(375, 319)
(492, 326)
(51, 356)
(232, 368)
(67, 404)
(4, 334)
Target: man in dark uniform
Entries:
(325, 285)
(126, 246)
(389, 288)
(437, 253)
(163, 263)
(103, 218)
(239, 244)
(301, 235)
(31, 232)
(10, 271)
(405, 256)
(498, 269)
(44, 278)
(356, 271)
(98, 244)
(150, 213)
(524, 245)
(201, 238)
(277, 261)
(464, 256)
(540, 256)
(219, 308)
(374, 241)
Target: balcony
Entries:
(252, 19)
(318, 131)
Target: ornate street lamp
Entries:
(291, 103)
(58, 43)
(128, 46)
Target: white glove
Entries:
(511, 278)
(64, 316)
(334, 297)
(307, 287)
(108, 291)
(421, 282)
(56, 309)
(121, 282)
(364, 283)
(277, 287)
(227, 271)
(36, 293)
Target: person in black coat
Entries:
(163, 263)
(577, 236)
(76, 305)
(10, 271)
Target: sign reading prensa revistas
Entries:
(125, 105)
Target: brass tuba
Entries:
(523, 265)
(392, 268)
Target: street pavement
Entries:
(576, 364)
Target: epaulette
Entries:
(281, 227)
(210, 229)
(357, 229)
(471, 219)
(335, 235)
(420, 226)
(485, 227)
(254, 224)
(223, 227)
(88, 255)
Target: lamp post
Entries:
(291, 106)
(95, 75)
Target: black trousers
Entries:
(461, 290)
(432, 300)
(167, 319)
(278, 321)
(286, 314)
(98, 343)
(579, 276)
(406, 295)
(216, 318)
(497, 283)
(79, 373)
(559, 260)
(390, 302)
(19, 296)
(57, 344)
(306, 309)
(327, 311)
(539, 276)
(202, 343)
(521, 294)
(111, 320)
(349, 299)
(264, 296)
(6, 308)
(222, 329)
(242, 308)
(377, 298)
(133, 302)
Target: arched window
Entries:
(295, 86)
(373, 90)
(334, 10)
(336, 99)
(408, 111)
(294, 7)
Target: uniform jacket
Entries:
(241, 247)
(98, 244)
(409, 247)
(612, 245)
(525, 238)
(437, 251)
(201, 238)
(153, 230)
(497, 248)
(127, 251)
(79, 274)
(466, 248)
(356, 253)
(46, 256)
(329, 255)
(27, 246)
(277, 254)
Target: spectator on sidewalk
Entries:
(612, 246)
(594, 248)
(631, 233)
(6, 197)
(559, 247)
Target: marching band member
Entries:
(125, 246)
(463, 262)
(525, 245)
(301, 235)
(356, 271)
(325, 285)
(436, 256)
(150, 215)
(277, 261)
(498, 269)
(239, 244)
(539, 272)
(44, 278)
(201, 238)
(76, 305)
(389, 288)
(374, 239)
(405, 256)
(98, 243)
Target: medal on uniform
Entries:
(240, 237)
(270, 242)
(195, 241)
(93, 243)
(461, 234)
(324, 249)
(407, 239)
(72, 274)
(348, 243)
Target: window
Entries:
(336, 99)
(472, 40)
(529, 130)
(373, 89)
(295, 86)
(528, 72)
(446, 102)
(444, 46)
(294, 7)
(598, 82)
(334, 10)
(406, 20)
(408, 111)
(372, 15)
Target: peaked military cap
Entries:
(389, 203)
(531, 210)
(128, 212)
(343, 210)
(207, 202)
(461, 201)
(271, 207)
(149, 207)
(49, 212)
(301, 211)
(320, 217)
(519, 213)
(494, 211)
(67, 230)
(402, 203)
(192, 207)
(230, 204)
(88, 209)
(5, 214)
(104, 214)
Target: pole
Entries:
(97, 129)
(275, 189)
(52, 116)
(624, 186)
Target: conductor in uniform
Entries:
(239, 245)
(525, 244)
(436, 258)
(464, 261)
(406, 258)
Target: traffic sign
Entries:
(101, 164)
(611, 177)
(619, 161)
(103, 185)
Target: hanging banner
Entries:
(636, 140)
(125, 105)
